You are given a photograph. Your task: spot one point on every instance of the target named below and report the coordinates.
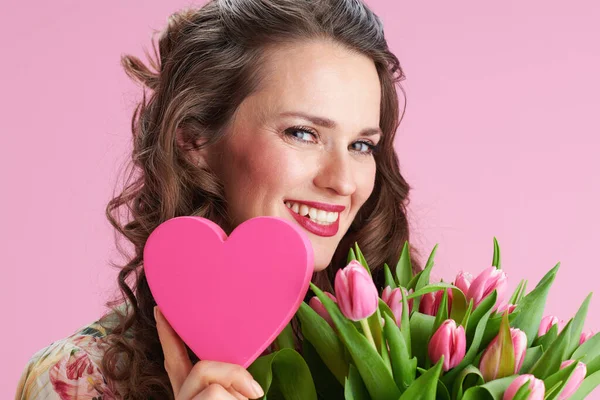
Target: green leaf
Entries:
(287, 371)
(325, 341)
(530, 309)
(465, 320)
(413, 282)
(518, 293)
(546, 340)
(496, 259)
(404, 267)
(577, 327)
(493, 326)
(425, 386)
(372, 369)
(389, 278)
(355, 388)
(590, 349)
(404, 375)
(507, 356)
(405, 322)
(326, 384)
(442, 312)
(421, 329)
(285, 340)
(351, 256)
(433, 287)
(485, 307)
(470, 376)
(442, 391)
(550, 361)
(559, 379)
(361, 258)
(473, 349)
(523, 392)
(424, 277)
(592, 366)
(532, 354)
(587, 386)
(493, 390)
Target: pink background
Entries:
(500, 139)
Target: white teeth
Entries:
(303, 210)
(319, 216)
(331, 216)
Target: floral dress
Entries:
(70, 368)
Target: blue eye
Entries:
(369, 150)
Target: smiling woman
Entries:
(257, 108)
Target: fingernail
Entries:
(258, 391)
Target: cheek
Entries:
(365, 181)
(266, 169)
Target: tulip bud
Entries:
(574, 381)
(449, 341)
(356, 293)
(585, 336)
(547, 323)
(491, 358)
(430, 302)
(486, 282)
(393, 298)
(538, 390)
(463, 281)
(315, 304)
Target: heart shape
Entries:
(228, 298)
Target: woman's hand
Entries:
(206, 380)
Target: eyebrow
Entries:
(328, 123)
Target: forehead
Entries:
(322, 78)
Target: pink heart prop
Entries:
(228, 298)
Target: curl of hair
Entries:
(208, 61)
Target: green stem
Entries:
(367, 332)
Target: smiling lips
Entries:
(316, 220)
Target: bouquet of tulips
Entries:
(432, 340)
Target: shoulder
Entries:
(69, 368)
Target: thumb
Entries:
(177, 361)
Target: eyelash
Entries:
(373, 149)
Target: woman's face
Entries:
(273, 158)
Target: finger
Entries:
(236, 394)
(214, 392)
(228, 375)
(177, 361)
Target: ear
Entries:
(197, 157)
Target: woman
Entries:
(257, 107)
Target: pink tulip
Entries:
(574, 381)
(449, 341)
(315, 304)
(538, 390)
(486, 282)
(430, 302)
(393, 298)
(585, 336)
(463, 281)
(491, 358)
(356, 293)
(547, 323)
(502, 308)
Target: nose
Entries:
(336, 173)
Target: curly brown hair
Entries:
(208, 61)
